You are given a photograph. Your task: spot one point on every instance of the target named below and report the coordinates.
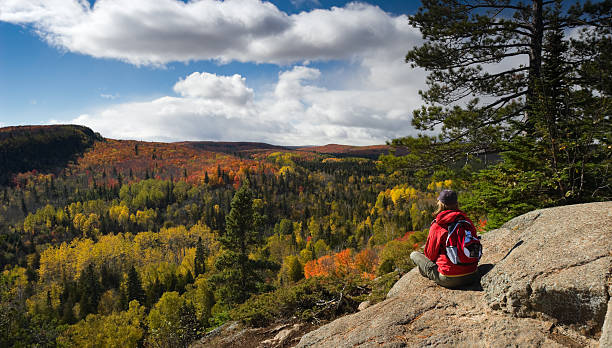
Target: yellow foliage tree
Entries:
(119, 329)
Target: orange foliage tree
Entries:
(343, 264)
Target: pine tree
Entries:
(153, 293)
(67, 302)
(90, 291)
(188, 279)
(134, 289)
(463, 40)
(549, 118)
(564, 159)
(199, 263)
(237, 276)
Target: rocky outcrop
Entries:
(234, 334)
(546, 283)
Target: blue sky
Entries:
(286, 72)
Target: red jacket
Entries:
(436, 240)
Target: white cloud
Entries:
(296, 111)
(210, 86)
(301, 3)
(145, 32)
(109, 96)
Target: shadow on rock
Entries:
(477, 286)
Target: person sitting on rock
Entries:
(434, 263)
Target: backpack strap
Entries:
(454, 225)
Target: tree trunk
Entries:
(535, 54)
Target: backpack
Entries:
(462, 245)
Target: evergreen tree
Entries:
(237, 276)
(242, 223)
(108, 278)
(134, 289)
(67, 301)
(188, 279)
(154, 292)
(199, 263)
(90, 291)
(463, 40)
(549, 118)
(565, 158)
(24, 208)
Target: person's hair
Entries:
(442, 207)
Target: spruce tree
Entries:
(199, 263)
(153, 293)
(134, 289)
(237, 276)
(89, 290)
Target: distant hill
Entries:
(231, 147)
(372, 151)
(136, 160)
(41, 148)
(81, 152)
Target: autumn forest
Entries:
(168, 240)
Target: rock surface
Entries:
(363, 305)
(606, 332)
(546, 283)
(234, 334)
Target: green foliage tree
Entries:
(291, 271)
(202, 297)
(189, 325)
(543, 107)
(13, 322)
(237, 276)
(134, 289)
(464, 39)
(199, 262)
(396, 255)
(90, 291)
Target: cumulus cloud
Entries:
(145, 32)
(210, 86)
(296, 111)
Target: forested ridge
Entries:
(45, 148)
